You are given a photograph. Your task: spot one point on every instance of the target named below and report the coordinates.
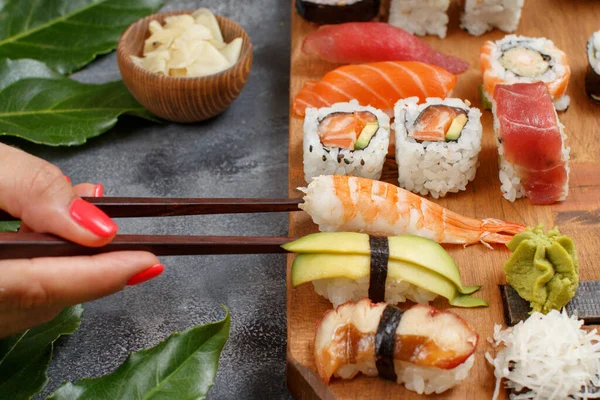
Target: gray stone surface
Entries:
(242, 153)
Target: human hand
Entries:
(34, 291)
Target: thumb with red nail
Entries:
(34, 291)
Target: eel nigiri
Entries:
(425, 349)
(379, 85)
(363, 42)
(530, 138)
(345, 203)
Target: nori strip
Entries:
(585, 304)
(385, 342)
(380, 254)
(592, 85)
(592, 77)
(361, 11)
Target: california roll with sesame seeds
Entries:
(345, 139)
(437, 145)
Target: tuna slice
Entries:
(379, 85)
(363, 42)
(530, 133)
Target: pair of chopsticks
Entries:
(31, 245)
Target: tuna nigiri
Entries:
(533, 155)
(377, 84)
(363, 42)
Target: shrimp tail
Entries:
(492, 225)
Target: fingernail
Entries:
(146, 275)
(99, 190)
(68, 179)
(92, 218)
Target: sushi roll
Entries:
(345, 139)
(480, 16)
(337, 11)
(592, 78)
(437, 145)
(347, 266)
(515, 59)
(420, 17)
(534, 160)
(427, 350)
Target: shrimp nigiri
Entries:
(425, 349)
(344, 203)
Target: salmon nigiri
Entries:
(379, 85)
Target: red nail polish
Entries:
(99, 190)
(146, 275)
(68, 179)
(92, 218)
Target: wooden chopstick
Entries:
(31, 245)
(135, 207)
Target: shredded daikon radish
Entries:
(547, 357)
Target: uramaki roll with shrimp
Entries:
(437, 144)
(345, 139)
(521, 59)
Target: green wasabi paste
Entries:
(543, 268)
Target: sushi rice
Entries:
(321, 160)
(423, 380)
(510, 182)
(342, 290)
(481, 16)
(420, 17)
(436, 168)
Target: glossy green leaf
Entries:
(9, 226)
(24, 357)
(66, 34)
(44, 107)
(182, 367)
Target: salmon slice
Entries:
(379, 85)
(434, 122)
(343, 129)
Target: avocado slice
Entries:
(366, 135)
(311, 267)
(456, 127)
(407, 248)
(485, 103)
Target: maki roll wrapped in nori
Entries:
(592, 78)
(337, 11)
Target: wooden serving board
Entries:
(569, 23)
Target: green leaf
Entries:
(9, 226)
(66, 34)
(24, 357)
(44, 107)
(182, 367)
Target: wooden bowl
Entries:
(182, 99)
